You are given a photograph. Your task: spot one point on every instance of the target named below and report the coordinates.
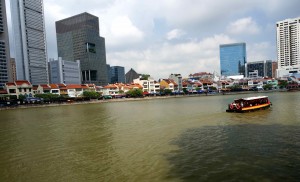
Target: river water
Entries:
(176, 139)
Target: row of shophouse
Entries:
(196, 83)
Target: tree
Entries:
(235, 87)
(185, 91)
(168, 91)
(91, 94)
(268, 87)
(282, 84)
(48, 97)
(145, 76)
(135, 93)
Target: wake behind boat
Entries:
(249, 104)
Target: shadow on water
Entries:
(247, 152)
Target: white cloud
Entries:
(175, 34)
(160, 60)
(122, 31)
(243, 26)
(260, 51)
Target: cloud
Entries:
(175, 34)
(160, 60)
(243, 26)
(260, 51)
(122, 31)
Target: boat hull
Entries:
(250, 109)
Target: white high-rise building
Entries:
(30, 40)
(288, 47)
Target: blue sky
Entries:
(172, 36)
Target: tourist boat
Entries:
(249, 104)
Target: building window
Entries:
(90, 47)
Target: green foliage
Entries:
(212, 88)
(268, 87)
(48, 97)
(197, 89)
(185, 90)
(235, 87)
(145, 76)
(22, 97)
(91, 94)
(168, 91)
(13, 97)
(282, 84)
(135, 93)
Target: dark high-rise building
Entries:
(117, 74)
(30, 40)
(260, 68)
(78, 39)
(131, 75)
(5, 74)
(233, 59)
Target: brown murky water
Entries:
(177, 139)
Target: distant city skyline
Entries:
(154, 38)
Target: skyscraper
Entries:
(5, 75)
(288, 46)
(78, 39)
(30, 40)
(117, 74)
(233, 59)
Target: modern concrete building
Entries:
(177, 79)
(233, 59)
(30, 40)
(78, 39)
(117, 74)
(288, 46)
(67, 72)
(259, 69)
(5, 74)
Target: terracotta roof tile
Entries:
(21, 82)
(10, 84)
(45, 86)
(73, 86)
(53, 86)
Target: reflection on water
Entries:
(180, 139)
(237, 153)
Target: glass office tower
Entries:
(117, 74)
(5, 69)
(30, 40)
(233, 59)
(78, 39)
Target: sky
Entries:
(176, 36)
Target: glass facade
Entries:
(4, 47)
(233, 59)
(78, 39)
(117, 74)
(30, 44)
(263, 68)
